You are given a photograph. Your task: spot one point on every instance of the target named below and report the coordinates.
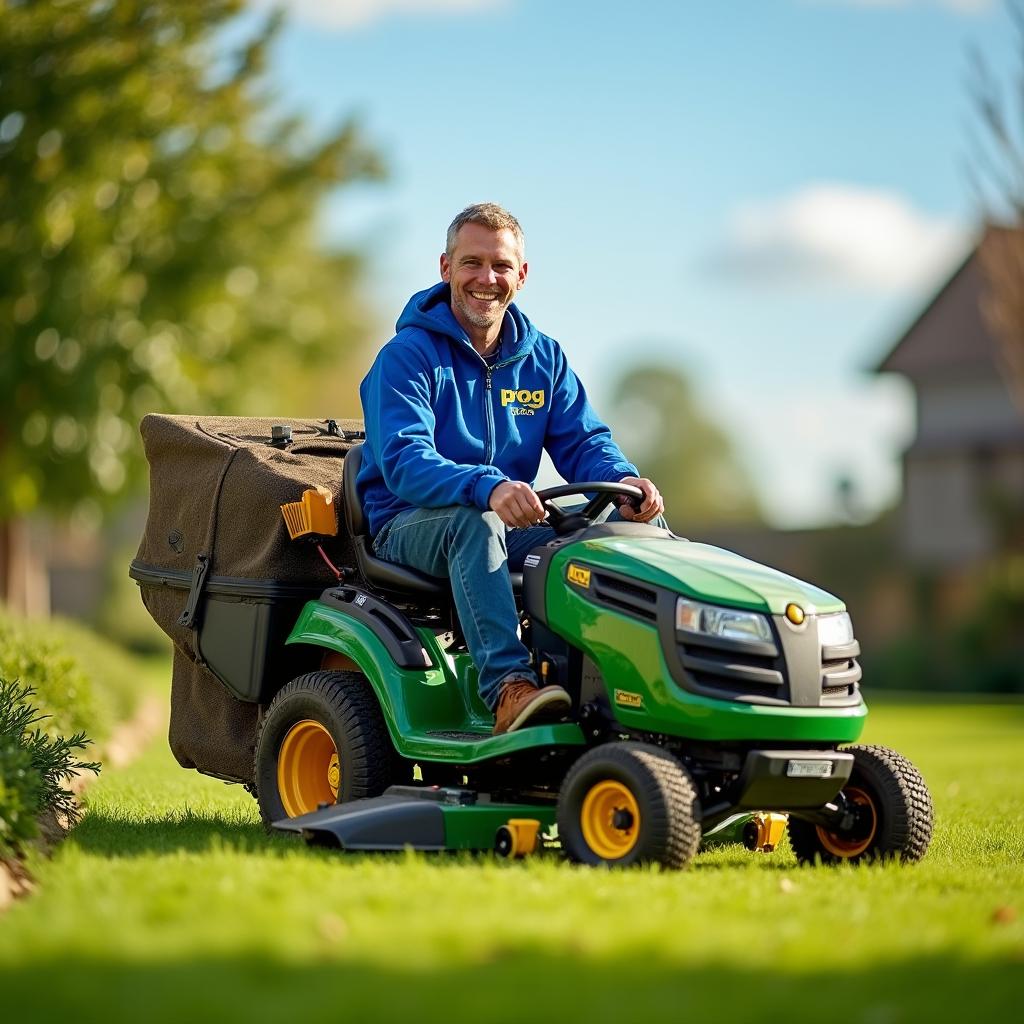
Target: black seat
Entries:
(376, 571)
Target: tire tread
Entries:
(906, 814)
(672, 826)
(348, 694)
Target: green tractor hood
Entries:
(657, 683)
(704, 572)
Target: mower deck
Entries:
(424, 818)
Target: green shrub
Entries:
(981, 650)
(30, 652)
(113, 674)
(35, 768)
(20, 795)
(84, 681)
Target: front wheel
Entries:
(322, 741)
(629, 803)
(892, 814)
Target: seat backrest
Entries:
(355, 520)
(386, 576)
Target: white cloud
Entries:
(349, 14)
(839, 235)
(855, 428)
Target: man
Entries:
(459, 406)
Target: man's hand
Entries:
(517, 504)
(653, 504)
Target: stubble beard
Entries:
(475, 317)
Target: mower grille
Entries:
(735, 674)
(629, 598)
(839, 679)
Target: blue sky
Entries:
(761, 193)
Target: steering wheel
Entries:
(563, 522)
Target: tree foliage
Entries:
(673, 441)
(158, 236)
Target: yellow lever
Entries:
(314, 514)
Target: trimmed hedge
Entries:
(41, 662)
(82, 681)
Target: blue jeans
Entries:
(476, 551)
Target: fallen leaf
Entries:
(1004, 915)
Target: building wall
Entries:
(961, 505)
(943, 523)
(972, 406)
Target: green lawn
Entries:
(169, 903)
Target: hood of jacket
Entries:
(431, 310)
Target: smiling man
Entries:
(459, 407)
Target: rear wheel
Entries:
(892, 814)
(322, 741)
(629, 803)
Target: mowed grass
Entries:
(169, 903)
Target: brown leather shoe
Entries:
(522, 702)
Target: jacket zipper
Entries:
(488, 407)
(489, 449)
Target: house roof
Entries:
(950, 334)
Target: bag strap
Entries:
(195, 592)
(194, 605)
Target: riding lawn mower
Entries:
(712, 697)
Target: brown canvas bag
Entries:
(220, 575)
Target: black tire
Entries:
(345, 706)
(668, 831)
(504, 842)
(895, 823)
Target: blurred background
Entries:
(780, 240)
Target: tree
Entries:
(673, 441)
(158, 242)
(998, 173)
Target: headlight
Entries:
(724, 623)
(835, 630)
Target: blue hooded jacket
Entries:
(444, 428)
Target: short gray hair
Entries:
(488, 215)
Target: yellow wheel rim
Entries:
(308, 771)
(610, 820)
(843, 846)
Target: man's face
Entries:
(485, 270)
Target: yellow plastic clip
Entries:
(524, 836)
(765, 830)
(314, 514)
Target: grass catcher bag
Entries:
(220, 575)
